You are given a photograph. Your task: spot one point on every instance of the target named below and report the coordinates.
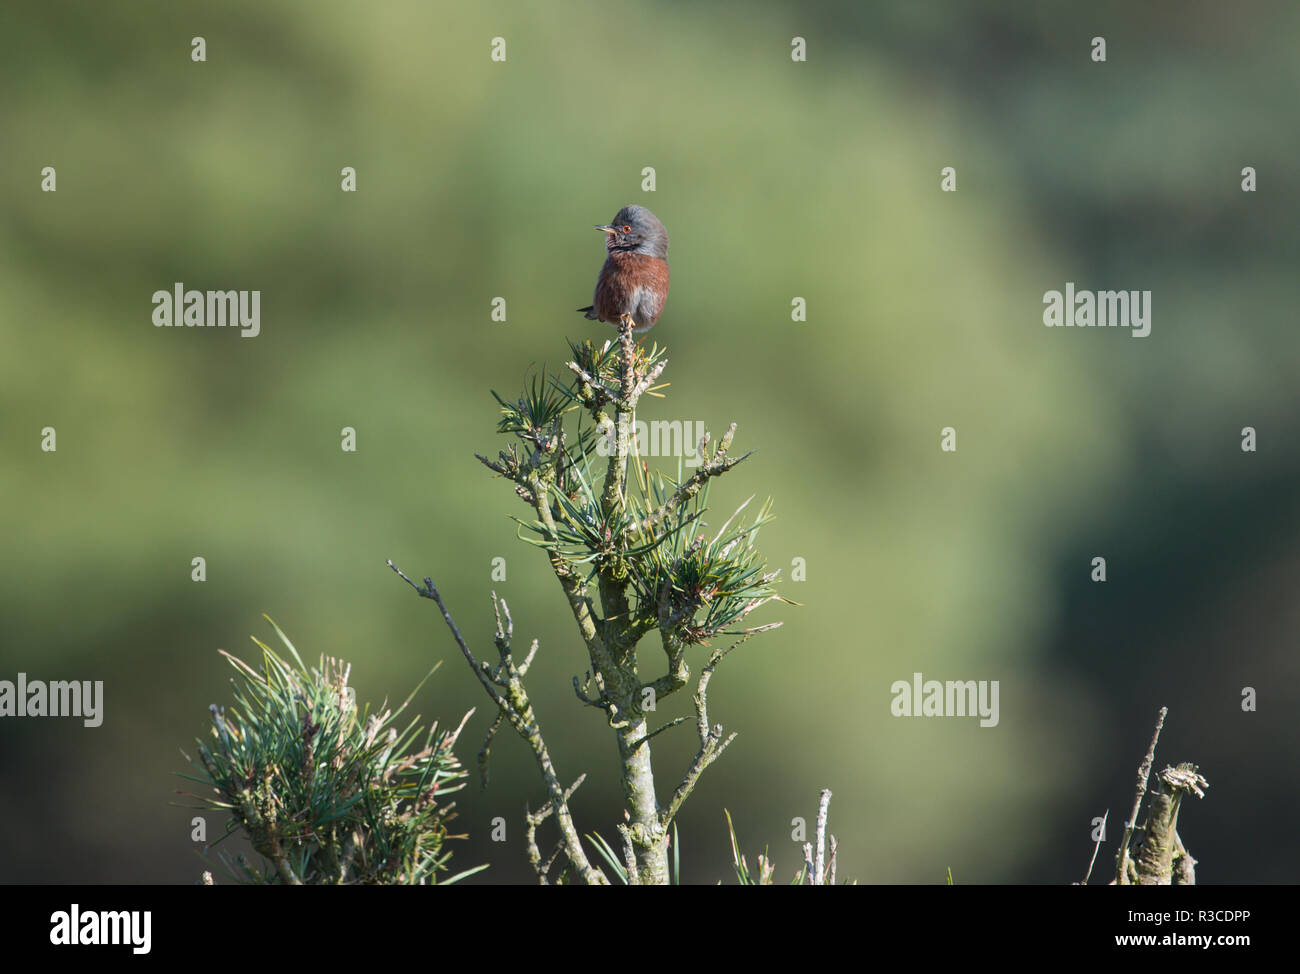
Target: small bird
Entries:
(633, 283)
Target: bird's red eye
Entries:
(627, 229)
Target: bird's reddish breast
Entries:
(624, 275)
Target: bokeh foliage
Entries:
(775, 180)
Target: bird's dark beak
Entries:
(607, 229)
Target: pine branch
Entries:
(513, 704)
(628, 561)
(711, 743)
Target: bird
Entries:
(633, 284)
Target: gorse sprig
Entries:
(324, 792)
(701, 585)
(535, 415)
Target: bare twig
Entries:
(823, 809)
(598, 701)
(629, 856)
(429, 592)
(516, 708)
(1100, 839)
(601, 393)
(485, 751)
(534, 819)
(711, 743)
(528, 660)
(649, 379)
(658, 730)
(1144, 772)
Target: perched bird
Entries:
(634, 281)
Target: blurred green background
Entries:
(775, 179)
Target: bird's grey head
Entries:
(635, 229)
